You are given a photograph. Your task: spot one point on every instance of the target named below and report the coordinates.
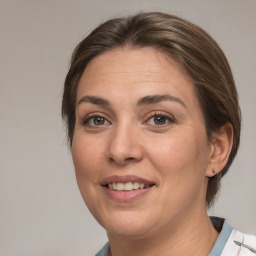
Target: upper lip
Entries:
(124, 179)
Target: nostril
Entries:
(111, 160)
(120, 161)
(129, 159)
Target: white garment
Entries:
(240, 244)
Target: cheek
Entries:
(181, 158)
(87, 156)
(181, 163)
(174, 150)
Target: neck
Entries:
(192, 236)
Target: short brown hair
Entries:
(191, 46)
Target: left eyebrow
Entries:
(153, 99)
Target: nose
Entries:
(125, 145)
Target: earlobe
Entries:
(221, 146)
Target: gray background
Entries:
(41, 210)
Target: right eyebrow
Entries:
(94, 100)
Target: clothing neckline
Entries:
(222, 226)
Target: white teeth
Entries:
(120, 186)
(114, 186)
(136, 185)
(128, 186)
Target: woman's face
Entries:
(140, 148)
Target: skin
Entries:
(174, 154)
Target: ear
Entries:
(221, 145)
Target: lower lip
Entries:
(126, 196)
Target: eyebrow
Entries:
(153, 99)
(147, 100)
(94, 100)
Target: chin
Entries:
(128, 225)
(128, 231)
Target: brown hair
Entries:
(191, 46)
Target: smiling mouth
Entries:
(127, 186)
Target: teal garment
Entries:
(220, 224)
(225, 232)
(103, 251)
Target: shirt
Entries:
(230, 242)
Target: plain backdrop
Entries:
(41, 210)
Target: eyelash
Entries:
(169, 118)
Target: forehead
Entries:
(125, 60)
(135, 71)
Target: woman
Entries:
(154, 124)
